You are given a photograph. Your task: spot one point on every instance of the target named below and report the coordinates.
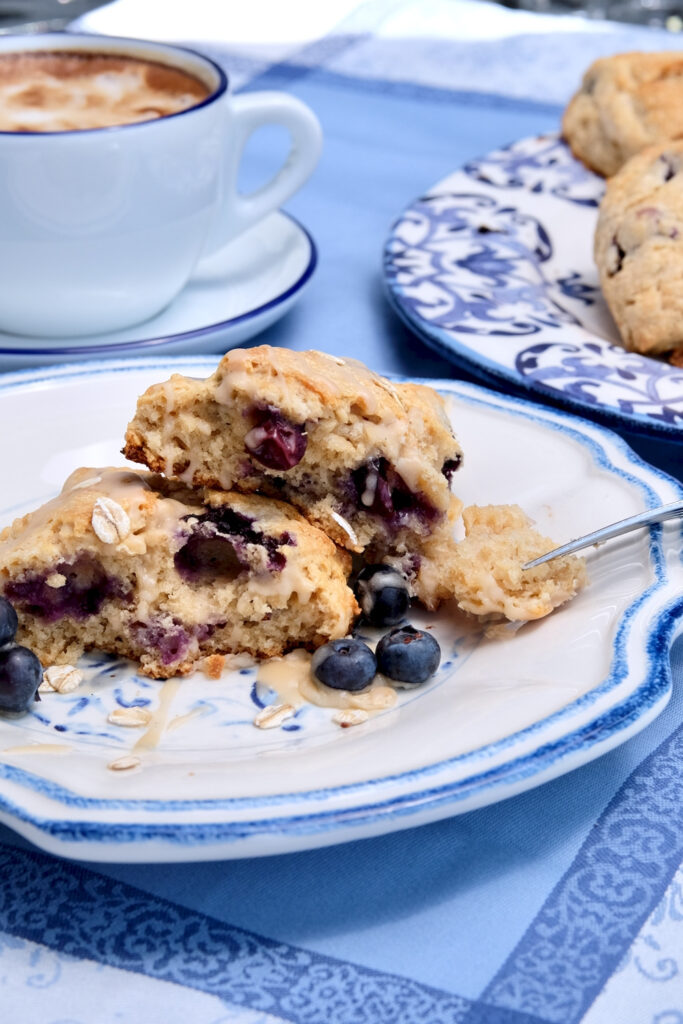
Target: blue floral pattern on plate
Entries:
(494, 268)
(542, 164)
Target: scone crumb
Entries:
(213, 665)
(273, 716)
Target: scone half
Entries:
(367, 460)
(129, 563)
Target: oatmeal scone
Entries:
(367, 460)
(129, 563)
(625, 102)
(485, 570)
(638, 249)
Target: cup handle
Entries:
(249, 112)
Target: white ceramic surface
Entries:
(233, 296)
(499, 717)
(493, 266)
(101, 229)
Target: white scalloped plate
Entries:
(499, 717)
(494, 268)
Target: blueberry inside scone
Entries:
(130, 563)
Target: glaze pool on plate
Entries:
(499, 717)
(494, 268)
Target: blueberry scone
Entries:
(367, 460)
(625, 103)
(638, 249)
(129, 563)
(485, 573)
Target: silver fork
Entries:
(673, 510)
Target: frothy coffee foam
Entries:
(51, 92)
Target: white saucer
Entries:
(234, 295)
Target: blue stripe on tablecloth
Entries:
(311, 61)
(381, 149)
(86, 915)
(280, 76)
(590, 919)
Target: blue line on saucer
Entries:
(127, 347)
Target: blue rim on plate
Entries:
(657, 611)
(492, 268)
(125, 347)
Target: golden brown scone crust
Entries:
(625, 103)
(639, 249)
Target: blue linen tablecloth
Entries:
(561, 905)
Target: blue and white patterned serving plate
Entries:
(502, 715)
(494, 268)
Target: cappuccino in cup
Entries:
(58, 92)
(119, 162)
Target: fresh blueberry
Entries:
(20, 676)
(346, 664)
(408, 655)
(8, 622)
(382, 593)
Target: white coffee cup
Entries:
(101, 228)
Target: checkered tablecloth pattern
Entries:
(560, 906)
